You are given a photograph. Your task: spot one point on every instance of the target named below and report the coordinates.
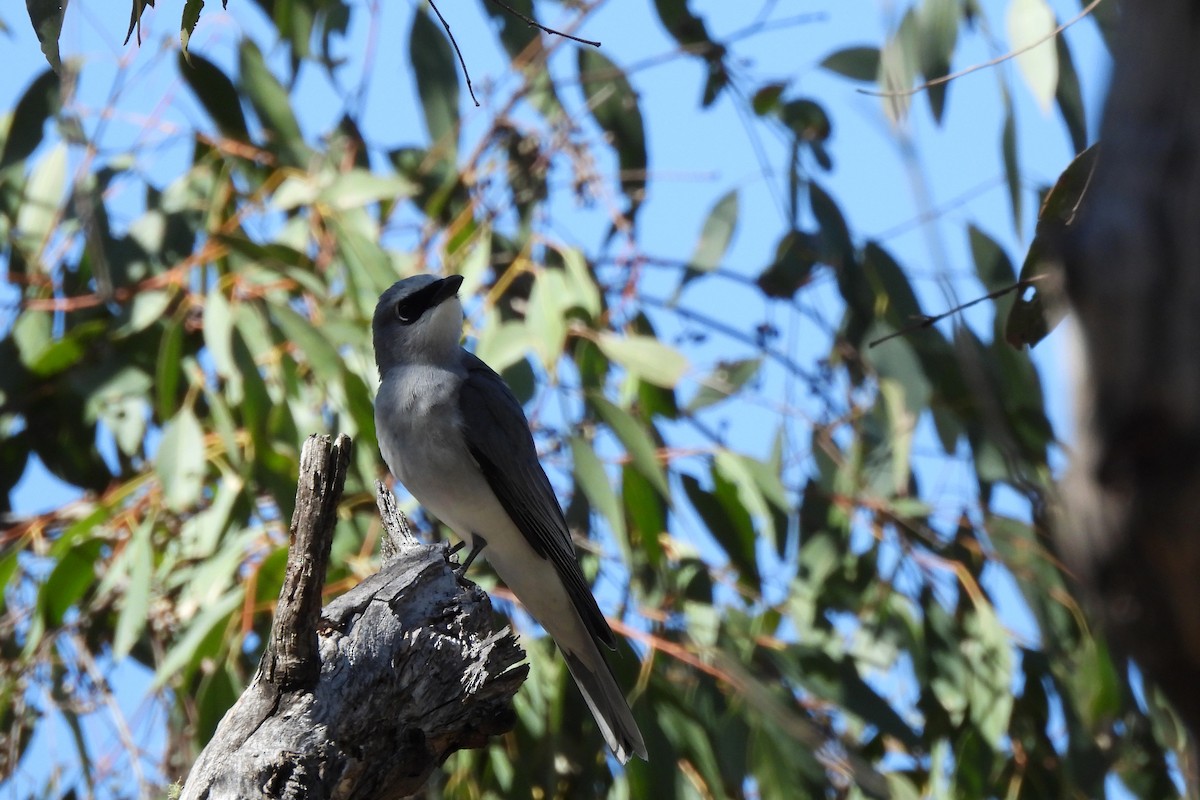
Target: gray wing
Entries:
(497, 434)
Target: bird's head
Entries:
(418, 320)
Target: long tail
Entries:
(595, 680)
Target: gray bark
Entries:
(1133, 277)
(365, 698)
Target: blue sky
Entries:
(696, 157)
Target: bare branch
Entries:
(457, 52)
(540, 26)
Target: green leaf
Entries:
(1031, 27)
(766, 99)
(66, 584)
(1042, 303)
(734, 469)
(218, 332)
(795, 256)
(855, 63)
(646, 513)
(184, 651)
(988, 655)
(835, 244)
(593, 479)
(1069, 97)
(121, 403)
(217, 94)
(715, 236)
(724, 382)
(614, 106)
(135, 602)
(515, 33)
(41, 101)
(179, 461)
(898, 67)
(45, 356)
(314, 348)
(679, 20)
(500, 344)
(807, 120)
(727, 521)
(938, 26)
(359, 187)
(43, 198)
(546, 317)
(1012, 168)
(645, 357)
(640, 446)
(435, 71)
(992, 264)
(47, 18)
(191, 15)
(168, 371)
(270, 102)
(581, 284)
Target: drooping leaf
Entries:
(646, 357)
(43, 199)
(217, 94)
(1042, 303)
(1012, 168)
(515, 33)
(766, 99)
(546, 317)
(795, 256)
(1069, 97)
(807, 120)
(179, 461)
(435, 71)
(135, 602)
(191, 15)
(723, 382)
(71, 577)
(899, 62)
(646, 512)
(41, 101)
(271, 103)
(594, 481)
(637, 442)
(614, 106)
(1031, 27)
(855, 63)
(185, 650)
(715, 236)
(727, 521)
(937, 22)
(47, 18)
(136, 9)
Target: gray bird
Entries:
(454, 434)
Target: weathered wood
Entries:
(1133, 277)
(366, 699)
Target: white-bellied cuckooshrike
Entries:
(454, 434)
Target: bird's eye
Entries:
(408, 311)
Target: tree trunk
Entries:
(365, 698)
(1133, 277)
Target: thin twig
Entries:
(998, 60)
(536, 24)
(457, 52)
(927, 321)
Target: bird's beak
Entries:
(446, 288)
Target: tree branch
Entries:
(1133, 278)
(365, 698)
